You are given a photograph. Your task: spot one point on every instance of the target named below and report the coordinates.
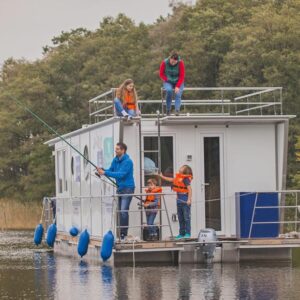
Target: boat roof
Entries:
(184, 120)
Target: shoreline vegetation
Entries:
(19, 215)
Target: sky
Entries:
(28, 25)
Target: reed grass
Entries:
(19, 215)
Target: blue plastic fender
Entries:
(83, 243)
(107, 245)
(38, 234)
(51, 235)
(74, 231)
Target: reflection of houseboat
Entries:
(235, 140)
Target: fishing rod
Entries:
(61, 137)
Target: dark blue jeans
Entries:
(184, 218)
(150, 216)
(119, 107)
(169, 93)
(123, 206)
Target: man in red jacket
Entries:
(172, 74)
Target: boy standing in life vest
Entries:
(151, 205)
(182, 185)
(172, 73)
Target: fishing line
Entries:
(55, 132)
(63, 139)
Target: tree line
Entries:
(223, 43)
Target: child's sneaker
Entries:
(187, 236)
(122, 239)
(178, 237)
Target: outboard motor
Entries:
(207, 249)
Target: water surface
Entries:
(28, 272)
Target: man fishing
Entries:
(121, 169)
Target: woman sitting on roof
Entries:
(126, 103)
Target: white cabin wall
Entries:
(80, 206)
(75, 185)
(102, 142)
(131, 139)
(63, 216)
(281, 144)
(85, 184)
(185, 144)
(250, 157)
(67, 202)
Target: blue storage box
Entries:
(245, 206)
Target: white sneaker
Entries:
(124, 113)
(122, 238)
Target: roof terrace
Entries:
(201, 101)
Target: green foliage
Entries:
(226, 42)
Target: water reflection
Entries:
(37, 274)
(83, 272)
(184, 282)
(44, 273)
(107, 282)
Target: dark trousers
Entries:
(150, 216)
(123, 206)
(184, 218)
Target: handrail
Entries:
(100, 96)
(102, 106)
(283, 194)
(254, 94)
(228, 88)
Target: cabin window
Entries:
(65, 185)
(62, 183)
(151, 156)
(72, 165)
(77, 168)
(86, 163)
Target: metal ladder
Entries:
(158, 151)
(47, 212)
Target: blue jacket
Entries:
(122, 170)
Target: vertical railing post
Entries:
(162, 101)
(159, 165)
(141, 175)
(90, 117)
(168, 217)
(252, 218)
(296, 213)
(222, 98)
(281, 100)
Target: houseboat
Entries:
(236, 141)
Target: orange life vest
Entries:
(151, 198)
(178, 184)
(128, 101)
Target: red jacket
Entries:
(163, 76)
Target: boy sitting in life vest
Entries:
(151, 205)
(182, 185)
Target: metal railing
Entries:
(114, 221)
(49, 209)
(141, 209)
(224, 101)
(288, 211)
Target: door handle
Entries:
(203, 184)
